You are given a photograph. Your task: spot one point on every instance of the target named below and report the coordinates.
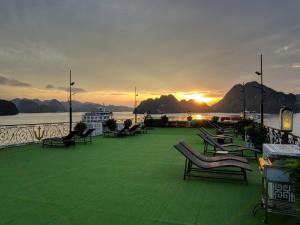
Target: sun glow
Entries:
(198, 117)
(198, 97)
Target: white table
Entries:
(275, 173)
(278, 192)
(280, 150)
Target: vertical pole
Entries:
(70, 102)
(262, 93)
(135, 112)
(244, 101)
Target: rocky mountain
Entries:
(169, 104)
(298, 101)
(26, 105)
(273, 100)
(39, 106)
(232, 102)
(7, 108)
(89, 106)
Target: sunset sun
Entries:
(198, 97)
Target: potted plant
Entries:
(127, 123)
(111, 124)
(189, 117)
(242, 125)
(257, 135)
(80, 127)
(215, 119)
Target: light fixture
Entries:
(242, 115)
(286, 119)
(258, 73)
(251, 116)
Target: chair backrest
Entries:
(70, 135)
(88, 132)
(215, 126)
(204, 137)
(203, 130)
(134, 127)
(214, 142)
(194, 152)
(187, 154)
(122, 130)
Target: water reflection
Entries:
(30, 118)
(199, 117)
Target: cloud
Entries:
(289, 49)
(4, 80)
(50, 86)
(66, 89)
(161, 47)
(296, 66)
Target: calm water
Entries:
(30, 118)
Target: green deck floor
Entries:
(133, 180)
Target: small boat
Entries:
(230, 119)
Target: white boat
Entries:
(100, 115)
(95, 119)
(250, 115)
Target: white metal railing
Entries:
(19, 134)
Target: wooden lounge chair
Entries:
(230, 148)
(86, 137)
(65, 141)
(143, 129)
(207, 142)
(229, 169)
(221, 129)
(133, 130)
(213, 158)
(220, 137)
(116, 133)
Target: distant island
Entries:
(18, 105)
(7, 108)
(169, 104)
(232, 102)
(273, 100)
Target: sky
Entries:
(192, 48)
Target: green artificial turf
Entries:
(132, 180)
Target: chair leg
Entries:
(245, 176)
(185, 169)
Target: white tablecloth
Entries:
(280, 150)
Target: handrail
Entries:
(30, 124)
(19, 134)
(276, 136)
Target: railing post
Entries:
(285, 138)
